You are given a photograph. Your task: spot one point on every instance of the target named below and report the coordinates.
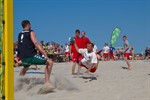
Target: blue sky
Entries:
(56, 20)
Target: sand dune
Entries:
(112, 81)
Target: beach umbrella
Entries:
(114, 36)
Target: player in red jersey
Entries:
(85, 40)
(76, 57)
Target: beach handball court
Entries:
(112, 81)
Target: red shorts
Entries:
(92, 70)
(76, 57)
(111, 55)
(105, 54)
(67, 53)
(127, 55)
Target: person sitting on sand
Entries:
(27, 43)
(89, 61)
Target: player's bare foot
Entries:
(129, 68)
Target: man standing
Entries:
(27, 43)
(106, 52)
(111, 52)
(76, 57)
(85, 40)
(67, 54)
(126, 51)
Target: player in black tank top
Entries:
(25, 45)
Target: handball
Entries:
(71, 39)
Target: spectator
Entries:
(147, 53)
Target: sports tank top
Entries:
(26, 48)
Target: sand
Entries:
(112, 81)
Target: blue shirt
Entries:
(111, 49)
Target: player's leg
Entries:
(79, 58)
(24, 70)
(79, 68)
(113, 56)
(126, 59)
(66, 56)
(108, 57)
(37, 67)
(48, 69)
(104, 57)
(73, 68)
(92, 69)
(67, 59)
(73, 63)
(37, 60)
(26, 62)
(74, 60)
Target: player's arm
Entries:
(35, 42)
(114, 51)
(76, 46)
(88, 40)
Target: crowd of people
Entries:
(62, 53)
(54, 50)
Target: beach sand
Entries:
(112, 81)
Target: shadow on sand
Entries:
(91, 78)
(124, 67)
